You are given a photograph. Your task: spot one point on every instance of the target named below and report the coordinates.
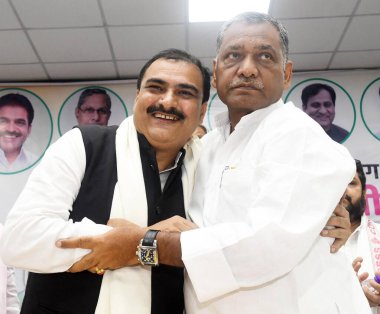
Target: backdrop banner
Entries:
(356, 116)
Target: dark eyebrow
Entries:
(188, 86)
(181, 85)
(155, 80)
(234, 47)
(267, 47)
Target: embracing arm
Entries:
(117, 248)
(40, 215)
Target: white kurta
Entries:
(358, 245)
(262, 196)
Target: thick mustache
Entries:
(10, 133)
(247, 81)
(171, 111)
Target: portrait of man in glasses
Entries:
(94, 107)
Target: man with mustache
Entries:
(362, 242)
(267, 181)
(16, 117)
(318, 101)
(144, 173)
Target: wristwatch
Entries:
(147, 252)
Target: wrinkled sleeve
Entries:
(297, 179)
(40, 215)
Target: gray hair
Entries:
(256, 18)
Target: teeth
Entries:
(164, 116)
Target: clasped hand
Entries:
(117, 247)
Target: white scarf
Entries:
(128, 290)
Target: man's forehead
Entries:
(162, 68)
(13, 108)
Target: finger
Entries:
(188, 225)
(85, 263)
(341, 211)
(337, 244)
(363, 276)
(337, 233)
(73, 243)
(357, 260)
(339, 222)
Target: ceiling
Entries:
(71, 40)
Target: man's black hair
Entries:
(176, 54)
(14, 100)
(313, 89)
(93, 91)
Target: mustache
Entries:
(251, 81)
(172, 111)
(18, 134)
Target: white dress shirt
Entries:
(262, 196)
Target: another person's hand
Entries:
(111, 250)
(174, 224)
(370, 287)
(338, 227)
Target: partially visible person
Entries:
(318, 101)
(16, 117)
(9, 302)
(360, 244)
(200, 131)
(94, 107)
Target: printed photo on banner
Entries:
(26, 129)
(91, 105)
(328, 103)
(370, 108)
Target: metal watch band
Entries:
(149, 237)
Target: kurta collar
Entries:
(222, 120)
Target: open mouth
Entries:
(165, 116)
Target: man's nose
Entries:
(11, 127)
(323, 109)
(248, 67)
(96, 116)
(168, 99)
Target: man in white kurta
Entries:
(261, 196)
(268, 179)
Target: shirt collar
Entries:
(222, 120)
(148, 149)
